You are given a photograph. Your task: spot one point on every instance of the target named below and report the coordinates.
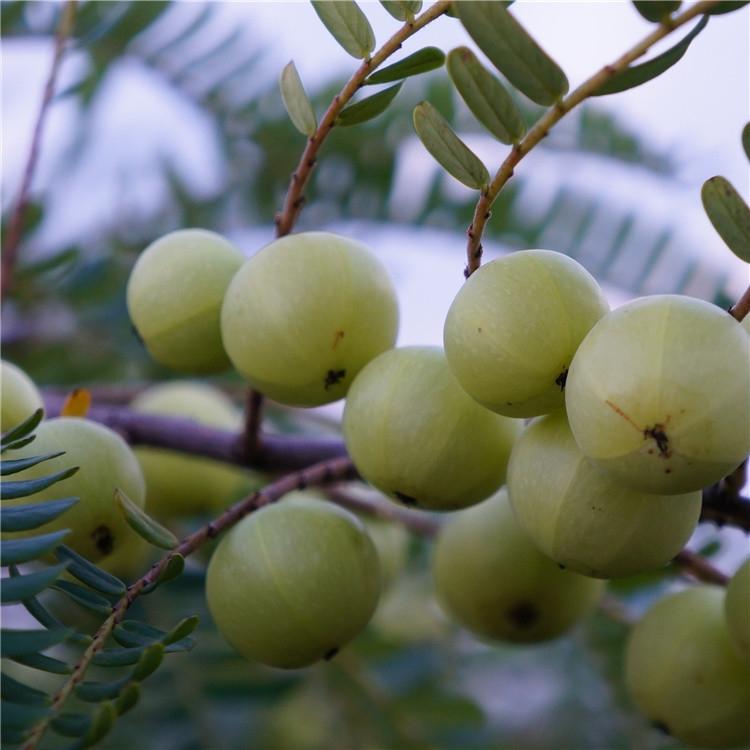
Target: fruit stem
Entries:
(741, 308)
(551, 117)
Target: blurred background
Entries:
(168, 116)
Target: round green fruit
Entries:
(737, 610)
(683, 673)
(585, 520)
(293, 582)
(178, 485)
(391, 541)
(491, 578)
(415, 434)
(174, 296)
(304, 315)
(20, 397)
(514, 327)
(658, 394)
(97, 526)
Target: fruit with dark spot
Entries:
(514, 327)
(491, 578)
(97, 526)
(581, 517)
(304, 315)
(20, 396)
(647, 409)
(293, 581)
(737, 610)
(415, 434)
(174, 297)
(683, 673)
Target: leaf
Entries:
(33, 515)
(636, 75)
(485, 96)
(656, 10)
(174, 567)
(14, 551)
(18, 716)
(402, 10)
(746, 140)
(44, 663)
(21, 642)
(17, 692)
(14, 465)
(512, 51)
(25, 487)
(127, 698)
(347, 24)
(101, 724)
(727, 6)
(71, 725)
(729, 214)
(89, 574)
(148, 663)
(77, 403)
(20, 587)
(421, 61)
(118, 657)
(22, 430)
(183, 629)
(143, 524)
(17, 444)
(49, 621)
(96, 692)
(447, 148)
(131, 633)
(368, 108)
(296, 100)
(84, 597)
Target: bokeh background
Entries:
(168, 116)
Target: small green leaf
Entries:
(17, 692)
(85, 597)
(18, 716)
(656, 10)
(118, 657)
(130, 633)
(18, 444)
(71, 725)
(88, 573)
(183, 629)
(447, 148)
(96, 692)
(729, 214)
(44, 663)
(402, 10)
(127, 698)
(636, 75)
(148, 663)
(21, 642)
(33, 515)
(368, 108)
(174, 567)
(347, 24)
(512, 51)
(14, 551)
(422, 61)
(746, 140)
(25, 487)
(101, 724)
(14, 465)
(485, 96)
(22, 430)
(143, 524)
(727, 6)
(20, 587)
(49, 621)
(296, 100)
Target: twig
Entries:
(294, 196)
(699, 568)
(15, 228)
(253, 420)
(724, 506)
(554, 115)
(328, 471)
(741, 308)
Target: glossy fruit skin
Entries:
(20, 397)
(491, 578)
(513, 328)
(98, 527)
(415, 434)
(293, 582)
(683, 673)
(737, 610)
(304, 315)
(645, 408)
(177, 484)
(581, 518)
(174, 297)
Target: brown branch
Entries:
(253, 420)
(699, 568)
(294, 196)
(15, 228)
(337, 469)
(741, 309)
(724, 506)
(552, 117)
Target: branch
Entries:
(336, 469)
(15, 228)
(294, 196)
(699, 568)
(551, 118)
(725, 507)
(253, 420)
(741, 308)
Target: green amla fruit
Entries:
(491, 578)
(737, 610)
(293, 582)
(304, 315)
(179, 485)
(513, 328)
(683, 673)
(585, 520)
(131, 560)
(174, 297)
(644, 407)
(97, 526)
(415, 434)
(20, 397)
